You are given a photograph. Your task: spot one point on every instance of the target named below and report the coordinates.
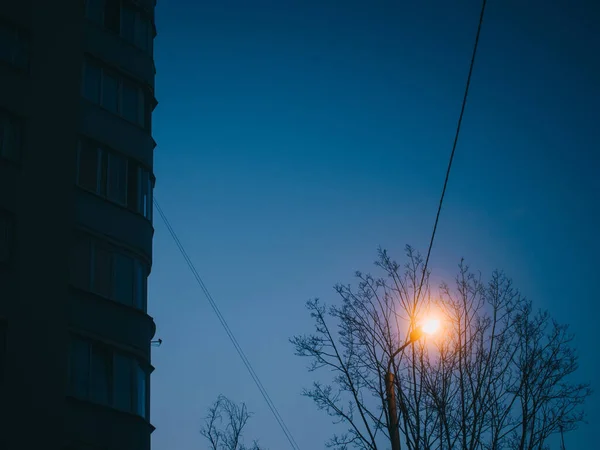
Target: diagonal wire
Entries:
(230, 334)
(460, 118)
(215, 308)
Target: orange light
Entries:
(430, 326)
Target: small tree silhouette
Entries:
(224, 425)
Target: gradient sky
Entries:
(294, 137)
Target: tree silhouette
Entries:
(499, 375)
(224, 425)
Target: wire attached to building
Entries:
(230, 334)
(215, 308)
(458, 126)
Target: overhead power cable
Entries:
(230, 334)
(458, 126)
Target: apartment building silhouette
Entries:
(76, 180)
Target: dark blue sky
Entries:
(294, 137)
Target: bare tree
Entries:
(499, 375)
(224, 425)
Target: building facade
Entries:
(76, 181)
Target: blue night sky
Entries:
(294, 137)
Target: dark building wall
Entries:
(42, 199)
(42, 310)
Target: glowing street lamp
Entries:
(428, 327)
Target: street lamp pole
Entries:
(393, 414)
(394, 429)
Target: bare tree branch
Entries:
(224, 425)
(498, 376)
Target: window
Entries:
(101, 375)
(141, 377)
(101, 272)
(114, 177)
(123, 382)
(117, 179)
(109, 272)
(133, 188)
(128, 21)
(6, 236)
(133, 107)
(110, 92)
(123, 279)
(145, 194)
(122, 17)
(106, 376)
(143, 30)
(115, 92)
(11, 130)
(79, 368)
(14, 46)
(140, 293)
